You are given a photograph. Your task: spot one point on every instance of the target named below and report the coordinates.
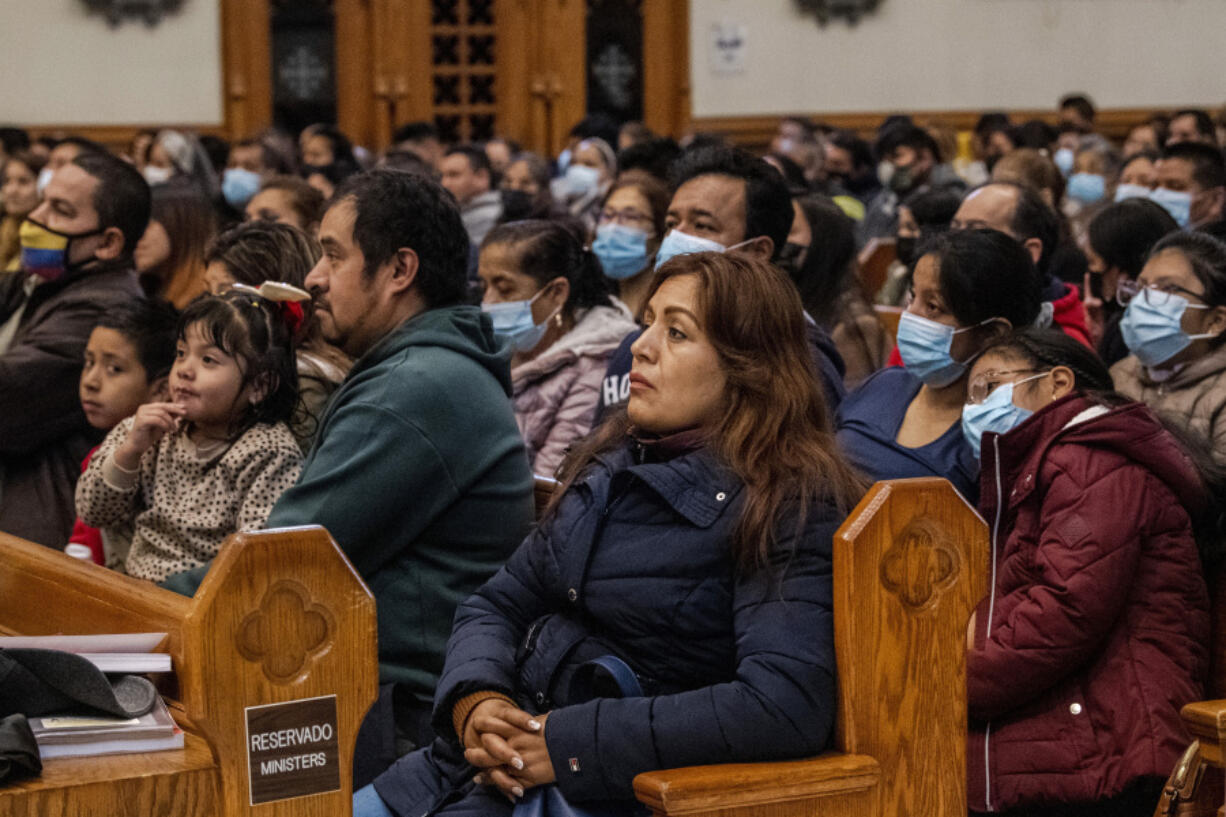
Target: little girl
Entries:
(188, 473)
(1095, 631)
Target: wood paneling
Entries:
(356, 78)
(666, 66)
(562, 67)
(756, 132)
(523, 96)
(247, 66)
(118, 137)
(384, 71)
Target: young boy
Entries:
(127, 360)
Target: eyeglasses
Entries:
(984, 384)
(626, 218)
(1154, 294)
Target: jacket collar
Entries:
(1021, 451)
(463, 329)
(1210, 365)
(696, 485)
(1130, 429)
(102, 275)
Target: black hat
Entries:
(43, 682)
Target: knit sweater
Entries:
(183, 502)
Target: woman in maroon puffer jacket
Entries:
(1095, 632)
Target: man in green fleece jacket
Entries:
(418, 469)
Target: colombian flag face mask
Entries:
(44, 252)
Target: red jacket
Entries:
(1069, 313)
(83, 534)
(1096, 629)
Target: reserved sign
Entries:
(292, 749)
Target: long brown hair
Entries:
(775, 433)
(190, 223)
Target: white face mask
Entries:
(44, 176)
(157, 175)
(581, 180)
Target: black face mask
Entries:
(856, 185)
(517, 205)
(790, 258)
(904, 248)
(905, 179)
(323, 170)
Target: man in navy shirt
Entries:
(728, 196)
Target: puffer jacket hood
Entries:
(1130, 431)
(1069, 315)
(463, 329)
(1095, 631)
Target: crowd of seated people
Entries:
(199, 338)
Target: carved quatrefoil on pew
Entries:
(286, 632)
(919, 565)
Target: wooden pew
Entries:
(888, 317)
(910, 563)
(873, 264)
(281, 617)
(1206, 720)
(542, 492)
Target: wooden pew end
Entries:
(702, 789)
(1206, 721)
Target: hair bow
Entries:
(286, 297)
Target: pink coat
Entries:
(555, 394)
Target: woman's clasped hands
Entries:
(507, 745)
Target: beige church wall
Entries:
(958, 55)
(65, 66)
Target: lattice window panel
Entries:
(462, 46)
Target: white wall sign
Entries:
(727, 48)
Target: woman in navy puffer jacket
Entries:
(692, 541)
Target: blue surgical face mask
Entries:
(1087, 188)
(1064, 159)
(622, 250)
(924, 346)
(997, 413)
(678, 243)
(1153, 331)
(513, 320)
(1131, 191)
(1178, 204)
(239, 186)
